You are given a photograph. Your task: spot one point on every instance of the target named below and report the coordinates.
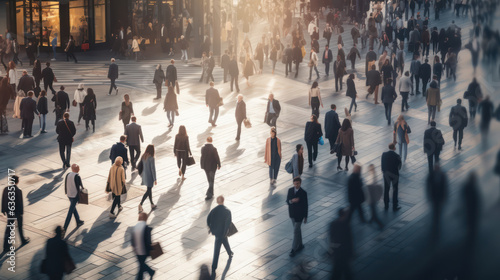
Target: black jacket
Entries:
(211, 62)
(433, 141)
(113, 71)
(48, 75)
(233, 68)
(118, 149)
(339, 68)
(56, 252)
(289, 54)
(212, 97)
(276, 107)
(209, 160)
(219, 220)
(171, 73)
(181, 143)
(351, 88)
(330, 56)
(147, 239)
(297, 55)
(312, 132)
(62, 100)
(355, 192)
(26, 83)
(389, 94)
(297, 211)
(424, 72)
(458, 117)
(159, 77)
(241, 111)
(391, 163)
(332, 125)
(373, 78)
(28, 108)
(224, 61)
(42, 105)
(65, 135)
(19, 207)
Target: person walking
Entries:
(373, 80)
(37, 73)
(72, 187)
(210, 162)
(28, 110)
(400, 136)
(433, 97)
(170, 105)
(327, 58)
(351, 92)
(352, 55)
(474, 95)
(424, 72)
(184, 45)
(204, 65)
(171, 74)
(127, 111)
(248, 69)
(437, 190)
(240, 114)
(148, 174)
(141, 243)
(210, 67)
(212, 101)
(388, 97)
(374, 191)
(391, 164)
(56, 254)
(182, 150)
(133, 133)
(70, 48)
(297, 210)
(345, 140)
(113, 76)
(26, 83)
(298, 161)
(158, 80)
(313, 63)
(458, 121)
(437, 69)
(355, 193)
(219, 221)
(312, 135)
(415, 70)
(371, 58)
(43, 110)
(486, 109)
(116, 185)
(259, 56)
(332, 126)
(12, 77)
(66, 131)
(273, 110)
(339, 72)
(224, 64)
(405, 86)
(48, 78)
(5, 91)
(288, 59)
(315, 99)
(119, 150)
(341, 243)
(89, 107)
(61, 104)
(297, 58)
(234, 73)
(13, 213)
(79, 97)
(433, 144)
(272, 156)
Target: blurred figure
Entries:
(433, 144)
(345, 139)
(437, 188)
(141, 242)
(298, 161)
(17, 214)
(355, 192)
(297, 211)
(391, 164)
(56, 254)
(458, 121)
(332, 126)
(374, 194)
(240, 114)
(400, 136)
(170, 105)
(212, 101)
(148, 174)
(342, 245)
(474, 95)
(219, 221)
(116, 185)
(127, 111)
(486, 110)
(315, 99)
(158, 80)
(471, 196)
(311, 135)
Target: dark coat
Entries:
(219, 220)
(209, 160)
(373, 78)
(340, 234)
(113, 71)
(433, 141)
(346, 138)
(389, 94)
(339, 68)
(159, 77)
(391, 163)
(355, 192)
(424, 71)
(438, 69)
(297, 211)
(65, 135)
(212, 97)
(351, 88)
(233, 68)
(28, 108)
(458, 117)
(312, 132)
(297, 55)
(437, 187)
(332, 125)
(42, 105)
(48, 75)
(241, 111)
(289, 54)
(147, 239)
(56, 252)
(19, 210)
(181, 143)
(118, 149)
(26, 83)
(171, 73)
(276, 107)
(330, 56)
(89, 106)
(224, 61)
(62, 100)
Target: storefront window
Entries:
(100, 21)
(50, 22)
(20, 22)
(78, 21)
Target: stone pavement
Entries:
(101, 248)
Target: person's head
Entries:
(209, 139)
(112, 60)
(240, 97)
(351, 76)
(271, 96)
(434, 77)
(212, 83)
(123, 138)
(143, 216)
(182, 130)
(356, 169)
(459, 101)
(149, 152)
(118, 161)
(373, 67)
(346, 124)
(314, 118)
(386, 62)
(333, 107)
(75, 168)
(401, 118)
(173, 61)
(407, 73)
(220, 200)
(299, 149)
(12, 65)
(62, 88)
(433, 124)
(14, 179)
(126, 97)
(392, 147)
(296, 182)
(59, 231)
(273, 132)
(30, 93)
(90, 92)
(133, 119)
(315, 84)
(47, 64)
(66, 115)
(80, 87)
(158, 67)
(326, 47)
(426, 60)
(204, 54)
(25, 73)
(43, 93)
(436, 59)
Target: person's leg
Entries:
(434, 109)
(430, 161)
(150, 195)
(43, 118)
(72, 208)
(225, 242)
(216, 114)
(238, 133)
(184, 156)
(405, 150)
(236, 84)
(211, 111)
(460, 137)
(376, 95)
(352, 104)
(297, 235)
(309, 152)
(215, 262)
(116, 199)
(210, 178)
(389, 113)
(455, 132)
(327, 68)
(361, 214)
(346, 161)
(315, 150)
(61, 152)
(131, 149)
(87, 124)
(271, 171)
(387, 187)
(310, 72)
(145, 196)
(395, 183)
(276, 168)
(316, 69)
(339, 161)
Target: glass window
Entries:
(78, 21)
(20, 22)
(100, 21)
(50, 23)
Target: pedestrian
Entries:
(171, 74)
(332, 126)
(26, 83)
(234, 73)
(12, 77)
(486, 109)
(272, 156)
(352, 55)
(424, 73)
(313, 63)
(72, 187)
(66, 131)
(210, 162)
(170, 105)
(204, 65)
(89, 107)
(184, 45)
(135, 48)
(298, 161)
(53, 43)
(405, 86)
(148, 174)
(437, 188)
(119, 150)
(79, 97)
(5, 91)
(56, 254)
(240, 114)
(345, 142)
(474, 95)
(259, 56)
(273, 110)
(248, 69)
(17, 105)
(113, 75)
(341, 243)
(373, 80)
(288, 58)
(437, 69)
(28, 110)
(371, 57)
(388, 97)
(451, 64)
(48, 78)
(127, 111)
(351, 92)
(224, 64)
(400, 136)
(116, 185)
(458, 121)
(43, 110)
(13, 196)
(210, 67)
(133, 133)
(16, 50)
(70, 48)
(315, 99)
(37, 73)
(297, 58)
(355, 193)
(61, 103)
(415, 70)
(141, 242)
(433, 97)
(212, 101)
(312, 135)
(327, 59)
(182, 150)
(219, 221)
(433, 144)
(374, 194)
(387, 71)
(391, 164)
(297, 210)
(339, 71)
(158, 80)
(273, 56)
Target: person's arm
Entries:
(310, 97)
(187, 143)
(319, 96)
(306, 207)
(289, 197)
(217, 159)
(153, 169)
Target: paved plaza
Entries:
(101, 248)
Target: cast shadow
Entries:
(45, 190)
(232, 151)
(149, 110)
(195, 237)
(202, 137)
(160, 139)
(226, 269)
(166, 203)
(104, 155)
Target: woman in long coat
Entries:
(89, 106)
(148, 175)
(400, 132)
(127, 111)
(345, 139)
(116, 185)
(272, 156)
(170, 105)
(249, 69)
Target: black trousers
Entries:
(226, 70)
(234, 80)
(288, 68)
(67, 147)
(214, 114)
(341, 268)
(404, 103)
(238, 133)
(158, 90)
(315, 106)
(354, 208)
(460, 134)
(211, 178)
(218, 242)
(271, 119)
(19, 224)
(149, 193)
(143, 267)
(431, 158)
(27, 125)
(338, 80)
(389, 179)
(112, 86)
(388, 112)
(116, 202)
(47, 85)
(297, 68)
(424, 86)
(80, 115)
(70, 54)
(210, 74)
(135, 151)
(417, 81)
(59, 114)
(181, 160)
(425, 49)
(312, 155)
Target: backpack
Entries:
(289, 166)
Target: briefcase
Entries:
(83, 197)
(232, 230)
(156, 250)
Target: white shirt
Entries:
(71, 190)
(310, 29)
(162, 28)
(80, 95)
(138, 235)
(13, 76)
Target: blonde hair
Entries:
(118, 161)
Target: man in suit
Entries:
(327, 59)
(373, 79)
(218, 221)
(234, 73)
(141, 242)
(48, 78)
(113, 75)
(338, 71)
(224, 64)
(61, 104)
(458, 121)
(341, 245)
(72, 187)
(391, 164)
(65, 130)
(212, 99)
(240, 114)
(14, 216)
(415, 71)
(28, 111)
(133, 133)
(26, 83)
(210, 162)
(273, 110)
(433, 144)
(297, 210)
(355, 193)
(332, 126)
(119, 149)
(388, 96)
(163, 38)
(371, 57)
(288, 59)
(171, 74)
(211, 66)
(424, 73)
(297, 58)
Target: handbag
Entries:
(221, 102)
(190, 160)
(232, 230)
(74, 103)
(156, 250)
(247, 123)
(321, 141)
(83, 196)
(140, 167)
(289, 166)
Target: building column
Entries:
(198, 27)
(216, 28)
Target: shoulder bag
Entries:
(247, 123)
(156, 250)
(232, 230)
(190, 160)
(289, 166)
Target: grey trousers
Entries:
(297, 235)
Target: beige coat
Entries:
(267, 154)
(116, 179)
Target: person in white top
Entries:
(72, 186)
(141, 242)
(405, 86)
(12, 78)
(79, 96)
(313, 63)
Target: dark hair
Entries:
(15, 179)
(123, 138)
(392, 146)
(47, 63)
(459, 101)
(182, 131)
(90, 92)
(43, 93)
(346, 124)
(150, 151)
(62, 88)
(407, 73)
(133, 119)
(297, 148)
(433, 123)
(297, 180)
(59, 231)
(315, 118)
(314, 85)
(351, 76)
(333, 106)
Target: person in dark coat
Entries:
(26, 83)
(224, 64)
(355, 192)
(182, 150)
(70, 48)
(341, 243)
(433, 144)
(89, 107)
(37, 73)
(240, 114)
(234, 73)
(351, 92)
(297, 58)
(158, 80)
(15, 215)
(288, 53)
(212, 100)
(474, 95)
(424, 73)
(210, 162)
(43, 110)
(391, 164)
(65, 130)
(170, 105)
(371, 56)
(327, 59)
(28, 111)
(141, 242)
(388, 96)
(352, 55)
(373, 80)
(219, 220)
(113, 75)
(56, 254)
(339, 71)
(332, 126)
(312, 134)
(273, 110)
(171, 74)
(48, 78)
(298, 206)
(119, 150)
(211, 66)
(437, 188)
(61, 103)
(458, 121)
(486, 109)
(127, 110)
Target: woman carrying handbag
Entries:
(345, 144)
(182, 150)
(116, 185)
(148, 174)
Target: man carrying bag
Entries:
(141, 242)
(73, 187)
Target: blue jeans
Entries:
(54, 50)
(403, 146)
(315, 69)
(274, 168)
(43, 117)
(71, 211)
(143, 267)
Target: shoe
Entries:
(214, 125)
(386, 207)
(67, 165)
(109, 93)
(112, 216)
(237, 139)
(120, 209)
(396, 208)
(231, 254)
(310, 165)
(153, 207)
(459, 148)
(292, 253)
(116, 91)
(140, 209)
(346, 168)
(43, 131)
(300, 248)
(339, 168)
(180, 173)
(79, 224)
(26, 241)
